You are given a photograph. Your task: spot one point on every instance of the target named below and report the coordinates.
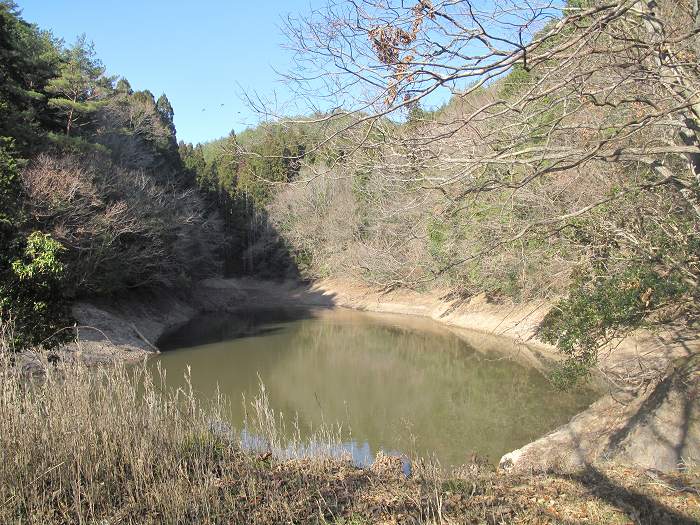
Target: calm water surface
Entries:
(395, 383)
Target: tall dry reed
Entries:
(115, 445)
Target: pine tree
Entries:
(81, 87)
(28, 59)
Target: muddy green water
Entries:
(395, 383)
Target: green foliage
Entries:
(123, 87)
(459, 486)
(81, 86)
(197, 445)
(74, 144)
(578, 4)
(28, 59)
(571, 371)
(165, 110)
(239, 174)
(303, 258)
(437, 238)
(40, 258)
(194, 163)
(31, 292)
(10, 188)
(516, 81)
(416, 114)
(275, 157)
(105, 174)
(600, 307)
(167, 115)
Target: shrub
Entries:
(30, 268)
(32, 294)
(600, 308)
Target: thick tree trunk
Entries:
(70, 122)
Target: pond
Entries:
(399, 384)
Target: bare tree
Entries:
(544, 91)
(121, 227)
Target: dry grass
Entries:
(113, 445)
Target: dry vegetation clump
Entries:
(122, 228)
(114, 445)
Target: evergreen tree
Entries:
(145, 97)
(167, 116)
(123, 87)
(28, 59)
(193, 160)
(228, 165)
(81, 87)
(166, 112)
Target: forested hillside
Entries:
(98, 198)
(511, 177)
(94, 198)
(241, 175)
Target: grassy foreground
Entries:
(112, 445)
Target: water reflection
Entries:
(396, 384)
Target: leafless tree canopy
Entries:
(636, 58)
(557, 110)
(121, 227)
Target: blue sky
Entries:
(201, 54)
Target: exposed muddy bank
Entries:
(656, 425)
(128, 328)
(648, 418)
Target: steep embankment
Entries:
(128, 327)
(655, 425)
(649, 417)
